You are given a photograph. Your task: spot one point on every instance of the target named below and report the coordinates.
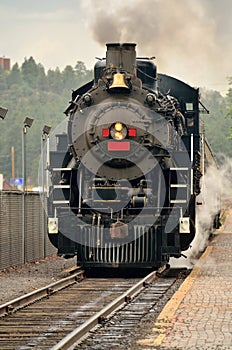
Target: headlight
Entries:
(118, 131)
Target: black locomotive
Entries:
(126, 174)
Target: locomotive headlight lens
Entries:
(118, 135)
(118, 131)
(118, 126)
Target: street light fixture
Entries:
(45, 135)
(46, 130)
(3, 112)
(26, 124)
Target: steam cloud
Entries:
(216, 185)
(216, 188)
(191, 39)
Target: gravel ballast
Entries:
(19, 280)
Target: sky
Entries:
(191, 39)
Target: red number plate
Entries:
(118, 146)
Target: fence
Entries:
(23, 229)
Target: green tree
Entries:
(82, 74)
(3, 80)
(68, 77)
(15, 77)
(54, 80)
(33, 74)
(217, 126)
(229, 103)
(29, 71)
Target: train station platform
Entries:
(199, 315)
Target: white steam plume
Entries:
(216, 188)
(216, 185)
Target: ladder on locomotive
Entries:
(179, 185)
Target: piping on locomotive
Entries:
(126, 174)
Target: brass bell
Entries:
(118, 82)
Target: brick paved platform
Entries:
(199, 315)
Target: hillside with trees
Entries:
(30, 91)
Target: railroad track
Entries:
(128, 324)
(67, 312)
(27, 299)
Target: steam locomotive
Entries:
(125, 176)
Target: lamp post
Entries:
(45, 136)
(26, 124)
(3, 112)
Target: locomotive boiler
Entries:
(126, 174)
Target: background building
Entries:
(5, 63)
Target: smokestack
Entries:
(121, 56)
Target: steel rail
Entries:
(100, 316)
(24, 300)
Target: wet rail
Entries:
(42, 324)
(122, 329)
(60, 319)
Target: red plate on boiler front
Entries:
(118, 146)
